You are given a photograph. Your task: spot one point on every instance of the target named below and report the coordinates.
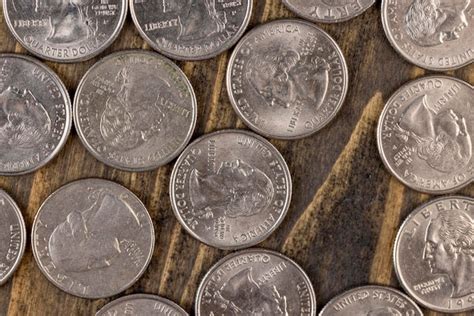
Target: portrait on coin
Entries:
(384, 311)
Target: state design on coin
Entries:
(425, 134)
(96, 245)
(256, 282)
(230, 189)
(434, 254)
(141, 305)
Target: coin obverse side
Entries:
(93, 238)
(230, 189)
(191, 29)
(328, 11)
(287, 79)
(35, 114)
(371, 300)
(12, 237)
(65, 30)
(135, 110)
(425, 134)
(141, 305)
(434, 254)
(435, 35)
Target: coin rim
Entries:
(255, 250)
(102, 159)
(286, 171)
(105, 183)
(259, 130)
(380, 144)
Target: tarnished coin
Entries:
(191, 29)
(434, 254)
(141, 305)
(12, 236)
(425, 134)
(93, 238)
(328, 11)
(230, 189)
(35, 114)
(256, 282)
(432, 34)
(287, 79)
(135, 110)
(65, 30)
(371, 300)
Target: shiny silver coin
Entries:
(141, 305)
(371, 300)
(434, 254)
(35, 115)
(230, 189)
(65, 30)
(256, 282)
(287, 79)
(135, 110)
(425, 134)
(328, 11)
(435, 35)
(93, 238)
(12, 236)
(191, 29)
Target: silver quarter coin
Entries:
(287, 79)
(256, 282)
(230, 189)
(65, 30)
(93, 238)
(425, 134)
(191, 29)
(35, 115)
(435, 35)
(12, 237)
(371, 300)
(141, 305)
(328, 11)
(135, 110)
(434, 257)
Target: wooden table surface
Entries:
(345, 211)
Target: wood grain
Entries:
(345, 210)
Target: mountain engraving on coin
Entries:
(141, 305)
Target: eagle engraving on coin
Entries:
(384, 311)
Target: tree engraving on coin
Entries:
(230, 189)
(131, 123)
(424, 134)
(371, 300)
(256, 282)
(141, 305)
(434, 254)
(191, 29)
(12, 237)
(328, 11)
(293, 91)
(431, 34)
(65, 30)
(98, 244)
(35, 114)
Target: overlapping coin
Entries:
(141, 305)
(35, 114)
(435, 35)
(256, 282)
(230, 189)
(135, 110)
(371, 301)
(93, 238)
(328, 11)
(65, 30)
(434, 254)
(425, 134)
(287, 79)
(191, 29)
(12, 237)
